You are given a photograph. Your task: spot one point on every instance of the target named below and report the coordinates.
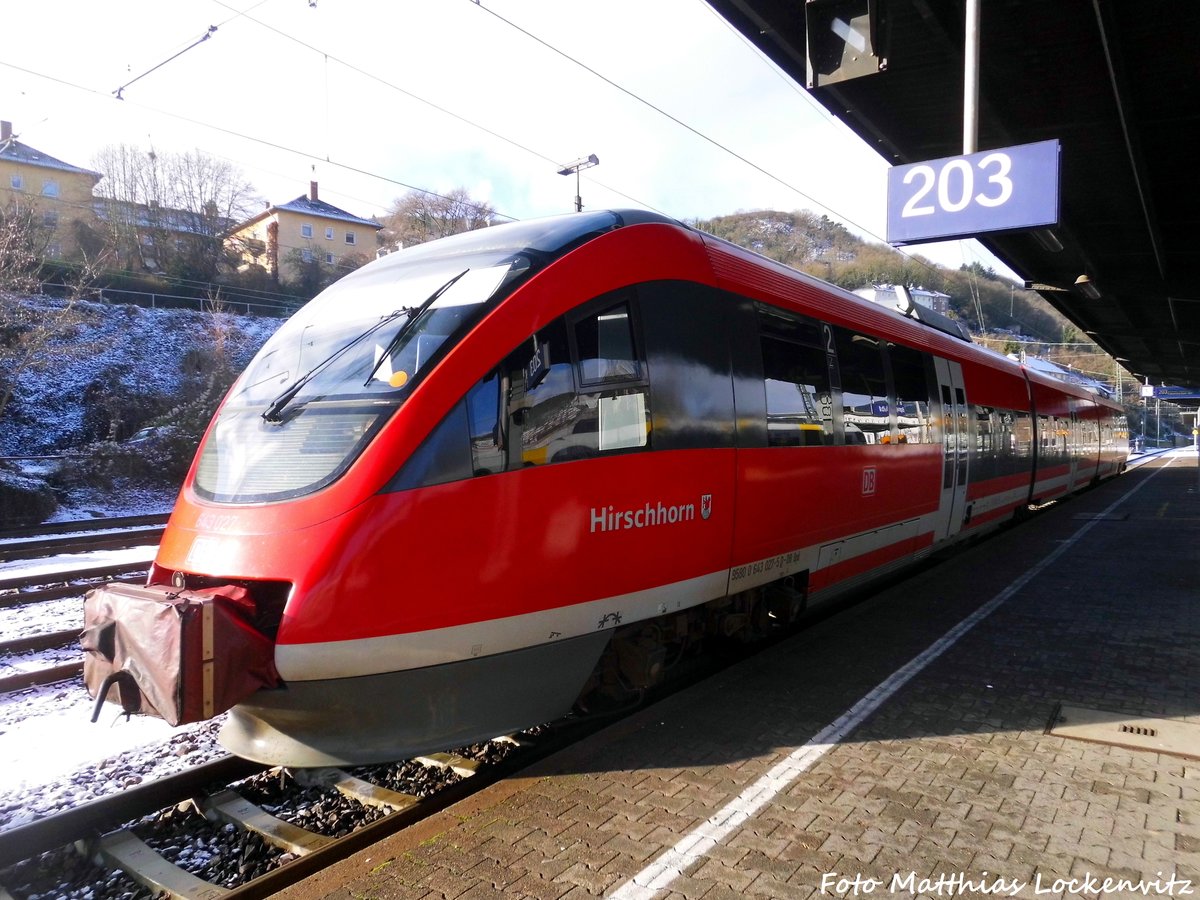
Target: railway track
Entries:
(21, 592)
(17, 595)
(82, 525)
(260, 830)
(103, 534)
(35, 655)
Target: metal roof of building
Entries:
(306, 205)
(1114, 81)
(13, 150)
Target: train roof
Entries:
(551, 236)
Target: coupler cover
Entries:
(182, 655)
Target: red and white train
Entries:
(484, 476)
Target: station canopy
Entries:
(1116, 82)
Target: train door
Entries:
(956, 448)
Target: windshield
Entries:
(322, 386)
(335, 342)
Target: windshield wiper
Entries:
(403, 330)
(274, 411)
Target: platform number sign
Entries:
(961, 196)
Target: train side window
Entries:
(441, 458)
(544, 414)
(613, 394)
(912, 378)
(483, 425)
(987, 438)
(1022, 435)
(1004, 442)
(866, 414)
(796, 375)
(551, 418)
(606, 347)
(799, 411)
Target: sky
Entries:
(372, 98)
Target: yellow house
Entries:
(282, 239)
(60, 193)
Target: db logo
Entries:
(868, 482)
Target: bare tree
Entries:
(23, 241)
(26, 331)
(167, 212)
(420, 216)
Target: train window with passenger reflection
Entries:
(551, 418)
(1022, 435)
(866, 413)
(912, 379)
(987, 444)
(796, 374)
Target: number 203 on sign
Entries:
(1006, 189)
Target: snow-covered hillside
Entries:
(110, 371)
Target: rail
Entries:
(78, 525)
(200, 786)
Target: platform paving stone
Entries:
(952, 779)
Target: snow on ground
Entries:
(51, 754)
(41, 618)
(49, 747)
(50, 751)
(128, 348)
(52, 567)
(126, 500)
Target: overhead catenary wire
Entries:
(305, 154)
(212, 29)
(429, 103)
(119, 92)
(350, 168)
(695, 131)
(441, 109)
(822, 113)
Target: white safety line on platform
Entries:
(693, 847)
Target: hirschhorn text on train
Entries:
(609, 518)
(953, 884)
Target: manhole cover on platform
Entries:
(1120, 730)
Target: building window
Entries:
(330, 259)
(54, 249)
(50, 218)
(349, 237)
(16, 182)
(49, 188)
(306, 255)
(329, 233)
(306, 230)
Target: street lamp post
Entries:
(585, 162)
